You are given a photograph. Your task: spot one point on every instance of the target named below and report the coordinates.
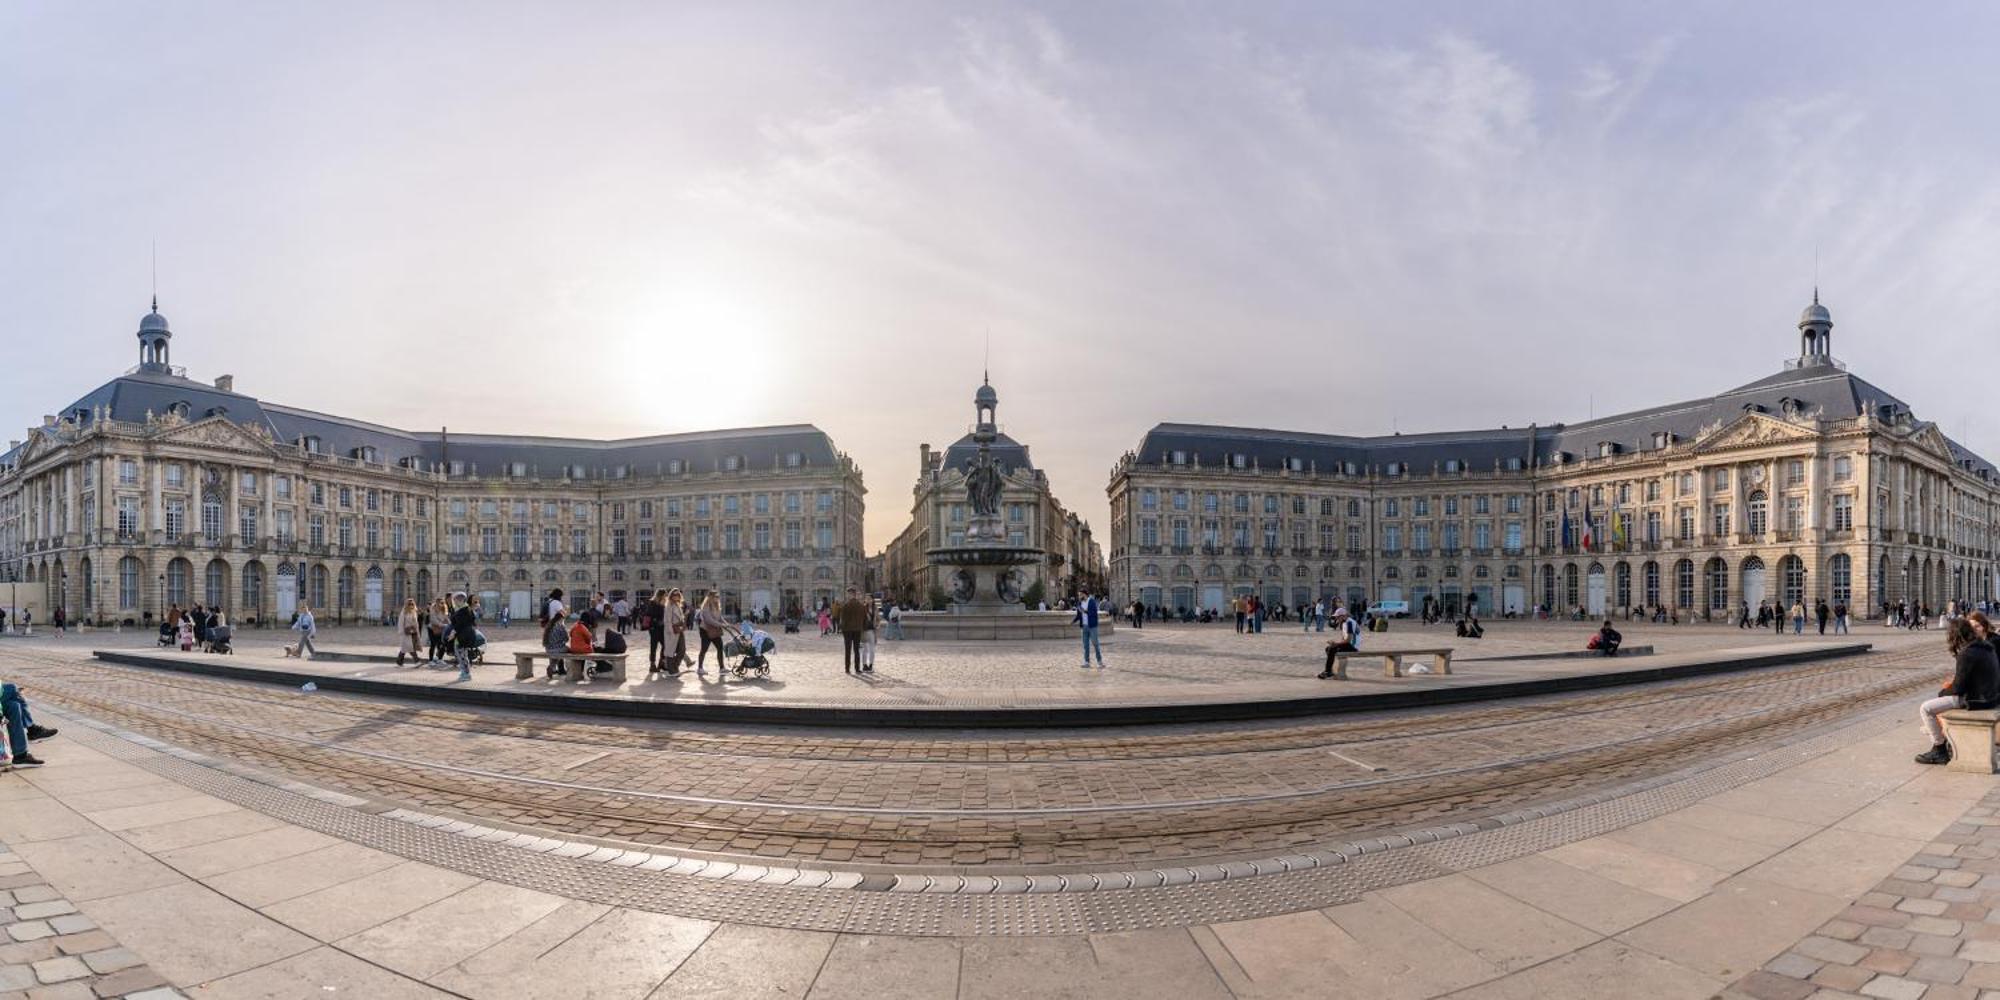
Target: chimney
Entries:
(11, 445)
(48, 420)
(227, 383)
(923, 460)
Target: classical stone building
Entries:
(155, 490)
(1807, 484)
(1033, 517)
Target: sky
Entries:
(608, 219)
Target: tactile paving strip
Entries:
(931, 905)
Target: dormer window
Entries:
(1514, 464)
(730, 463)
(1179, 458)
(793, 460)
(1606, 449)
(1295, 464)
(310, 443)
(1452, 465)
(179, 409)
(365, 454)
(674, 467)
(577, 472)
(458, 468)
(1393, 469)
(1239, 461)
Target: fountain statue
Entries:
(991, 574)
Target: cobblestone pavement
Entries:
(53, 952)
(1930, 931)
(1000, 801)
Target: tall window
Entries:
(1719, 519)
(246, 525)
(1843, 512)
(1684, 583)
(176, 519)
(177, 583)
(211, 521)
(1718, 585)
(1649, 577)
(1840, 571)
(128, 584)
(1759, 510)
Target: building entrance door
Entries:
(1514, 599)
(1211, 598)
(1594, 591)
(1753, 584)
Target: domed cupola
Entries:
(153, 341)
(1815, 334)
(985, 401)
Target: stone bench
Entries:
(577, 665)
(1972, 735)
(1392, 660)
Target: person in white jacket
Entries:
(304, 627)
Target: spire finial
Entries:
(156, 275)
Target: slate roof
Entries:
(1831, 390)
(130, 397)
(1011, 454)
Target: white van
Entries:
(1390, 609)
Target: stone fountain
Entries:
(990, 574)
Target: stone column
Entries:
(153, 473)
(72, 478)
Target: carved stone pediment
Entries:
(1754, 429)
(214, 432)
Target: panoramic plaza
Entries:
(1462, 502)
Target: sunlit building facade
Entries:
(157, 490)
(1809, 484)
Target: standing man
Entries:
(1086, 617)
(1840, 618)
(622, 610)
(1822, 612)
(853, 619)
(1236, 606)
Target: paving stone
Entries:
(1847, 978)
(1932, 969)
(61, 970)
(1923, 907)
(1883, 960)
(160, 994)
(1793, 964)
(1841, 930)
(75, 989)
(33, 894)
(1829, 950)
(28, 952)
(1935, 925)
(72, 923)
(1932, 945)
(39, 911)
(16, 977)
(114, 959)
(77, 944)
(1764, 985)
(127, 981)
(30, 930)
(1893, 988)
(1980, 951)
(1884, 937)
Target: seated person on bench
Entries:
(21, 727)
(1346, 639)
(582, 635)
(614, 642)
(1606, 640)
(557, 643)
(1975, 682)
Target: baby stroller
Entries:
(218, 639)
(791, 624)
(749, 649)
(166, 633)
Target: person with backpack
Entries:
(465, 635)
(1346, 639)
(303, 625)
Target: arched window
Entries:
(1718, 585)
(1621, 585)
(1649, 582)
(253, 588)
(1570, 589)
(1840, 573)
(1684, 583)
(178, 572)
(1792, 571)
(346, 592)
(316, 585)
(128, 583)
(215, 583)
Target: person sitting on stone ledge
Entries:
(21, 728)
(1470, 629)
(1975, 681)
(1606, 639)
